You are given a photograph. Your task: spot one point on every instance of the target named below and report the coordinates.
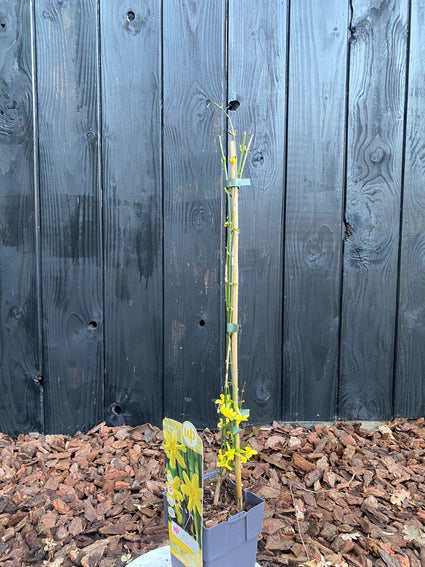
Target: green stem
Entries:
(244, 158)
(223, 157)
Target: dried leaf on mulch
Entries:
(335, 495)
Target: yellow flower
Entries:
(221, 458)
(230, 454)
(172, 449)
(223, 401)
(240, 418)
(224, 460)
(222, 423)
(193, 491)
(249, 452)
(233, 159)
(228, 412)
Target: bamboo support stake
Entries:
(235, 310)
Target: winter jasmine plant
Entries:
(229, 405)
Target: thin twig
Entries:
(298, 523)
(232, 131)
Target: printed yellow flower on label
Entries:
(173, 450)
(192, 490)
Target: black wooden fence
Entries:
(111, 209)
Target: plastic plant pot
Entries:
(233, 542)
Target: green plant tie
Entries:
(236, 182)
(232, 327)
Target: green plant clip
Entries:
(232, 328)
(237, 182)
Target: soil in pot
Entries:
(225, 509)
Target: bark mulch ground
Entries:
(335, 495)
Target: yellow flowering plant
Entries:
(229, 405)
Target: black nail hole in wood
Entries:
(202, 323)
(116, 409)
(233, 105)
(130, 16)
(2, 26)
(92, 324)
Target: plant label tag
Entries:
(184, 471)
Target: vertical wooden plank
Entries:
(315, 158)
(257, 79)
(20, 400)
(409, 385)
(374, 162)
(70, 219)
(131, 101)
(194, 72)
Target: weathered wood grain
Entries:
(257, 79)
(194, 72)
(70, 213)
(409, 396)
(374, 162)
(20, 363)
(112, 209)
(315, 160)
(131, 111)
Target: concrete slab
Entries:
(156, 558)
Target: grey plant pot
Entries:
(233, 542)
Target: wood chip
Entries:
(335, 494)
